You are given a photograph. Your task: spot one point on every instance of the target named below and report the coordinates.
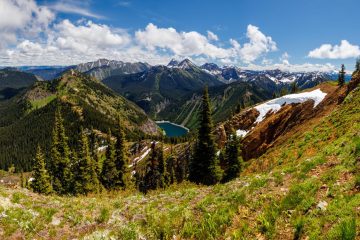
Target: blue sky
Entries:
(291, 35)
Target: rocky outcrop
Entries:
(276, 126)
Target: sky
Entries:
(303, 35)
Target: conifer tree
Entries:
(60, 155)
(41, 179)
(22, 180)
(204, 165)
(109, 173)
(121, 159)
(170, 167)
(341, 78)
(163, 180)
(86, 179)
(96, 157)
(152, 173)
(232, 158)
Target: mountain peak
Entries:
(185, 64)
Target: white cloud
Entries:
(79, 8)
(342, 51)
(259, 44)
(180, 43)
(285, 65)
(212, 36)
(88, 35)
(23, 17)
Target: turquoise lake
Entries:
(172, 130)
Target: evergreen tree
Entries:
(170, 167)
(163, 180)
(96, 157)
(204, 165)
(341, 78)
(232, 158)
(86, 179)
(22, 180)
(121, 159)
(152, 173)
(41, 179)
(109, 173)
(60, 156)
(357, 65)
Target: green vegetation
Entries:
(341, 78)
(28, 118)
(41, 179)
(204, 166)
(232, 158)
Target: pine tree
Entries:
(22, 179)
(109, 173)
(96, 157)
(170, 167)
(163, 180)
(152, 173)
(121, 159)
(232, 158)
(60, 155)
(341, 78)
(41, 179)
(204, 165)
(86, 179)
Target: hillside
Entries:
(13, 81)
(225, 100)
(266, 124)
(28, 118)
(306, 187)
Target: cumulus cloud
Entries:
(23, 17)
(180, 43)
(83, 37)
(258, 45)
(212, 36)
(342, 51)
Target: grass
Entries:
(276, 197)
(42, 102)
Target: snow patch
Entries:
(241, 133)
(275, 104)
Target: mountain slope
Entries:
(159, 86)
(266, 124)
(225, 99)
(28, 118)
(307, 187)
(13, 81)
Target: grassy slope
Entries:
(275, 198)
